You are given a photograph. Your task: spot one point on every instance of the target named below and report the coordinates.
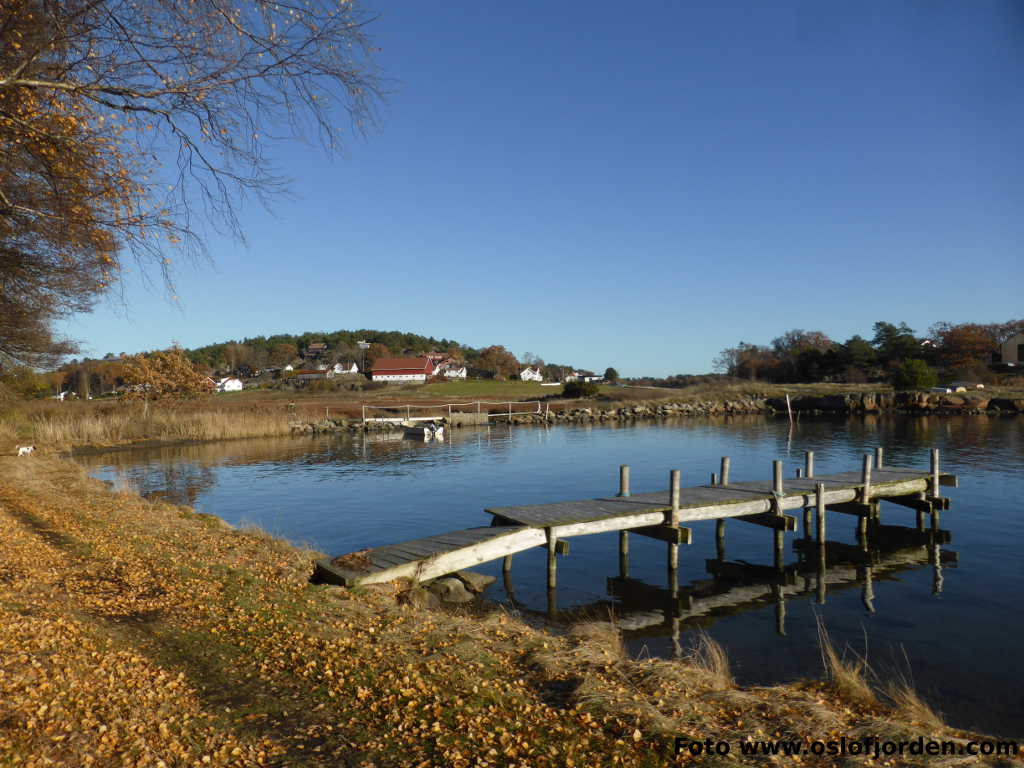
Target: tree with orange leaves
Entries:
(95, 93)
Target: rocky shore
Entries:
(592, 411)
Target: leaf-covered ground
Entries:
(136, 633)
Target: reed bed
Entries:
(67, 427)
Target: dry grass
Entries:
(910, 706)
(709, 657)
(847, 675)
(65, 425)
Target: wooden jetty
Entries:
(659, 515)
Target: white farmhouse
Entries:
(229, 385)
(455, 372)
(403, 369)
(340, 368)
(531, 374)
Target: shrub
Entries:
(914, 374)
(577, 389)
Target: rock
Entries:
(450, 590)
(477, 582)
(420, 597)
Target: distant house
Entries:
(340, 368)
(454, 372)
(315, 348)
(531, 374)
(288, 367)
(1012, 350)
(963, 386)
(208, 382)
(402, 369)
(229, 384)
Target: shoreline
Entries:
(169, 637)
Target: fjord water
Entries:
(951, 622)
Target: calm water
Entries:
(951, 620)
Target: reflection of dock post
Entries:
(623, 535)
(936, 557)
(780, 609)
(868, 595)
(673, 585)
(862, 532)
(673, 548)
(506, 565)
(720, 538)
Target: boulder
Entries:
(450, 590)
(420, 597)
(476, 582)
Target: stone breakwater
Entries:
(594, 412)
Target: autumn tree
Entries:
(610, 374)
(282, 354)
(163, 375)
(375, 352)
(123, 121)
(499, 361)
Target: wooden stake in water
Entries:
(723, 475)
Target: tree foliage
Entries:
(163, 375)
(499, 361)
(121, 121)
(914, 374)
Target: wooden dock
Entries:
(659, 515)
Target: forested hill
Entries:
(281, 348)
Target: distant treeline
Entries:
(894, 353)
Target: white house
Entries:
(288, 367)
(455, 372)
(229, 385)
(340, 368)
(531, 374)
(403, 369)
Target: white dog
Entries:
(25, 450)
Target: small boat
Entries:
(425, 430)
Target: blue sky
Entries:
(638, 185)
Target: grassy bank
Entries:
(140, 633)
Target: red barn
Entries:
(403, 369)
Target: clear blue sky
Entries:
(640, 185)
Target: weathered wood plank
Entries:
(669, 533)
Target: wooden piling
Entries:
(868, 595)
(777, 476)
(807, 522)
(624, 535)
(935, 472)
(552, 575)
(724, 473)
(879, 454)
(714, 478)
(720, 538)
(779, 549)
(819, 499)
(799, 472)
(506, 564)
(673, 549)
(920, 520)
(808, 463)
(780, 610)
(865, 478)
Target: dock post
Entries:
(862, 532)
(724, 473)
(920, 520)
(879, 454)
(808, 463)
(779, 534)
(720, 538)
(624, 480)
(819, 499)
(799, 472)
(506, 564)
(807, 522)
(714, 478)
(935, 488)
(673, 549)
(552, 577)
(623, 535)
(865, 478)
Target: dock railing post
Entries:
(673, 549)
(779, 533)
(865, 478)
(808, 464)
(624, 535)
(819, 499)
(723, 475)
(879, 455)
